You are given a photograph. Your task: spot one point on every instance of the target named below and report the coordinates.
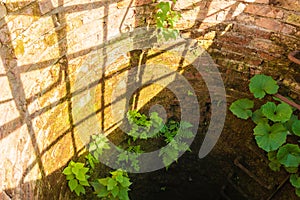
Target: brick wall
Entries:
(44, 42)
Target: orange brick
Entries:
(273, 25)
(263, 10)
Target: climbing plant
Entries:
(166, 18)
(81, 175)
(275, 122)
(77, 177)
(175, 145)
(114, 187)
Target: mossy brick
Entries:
(293, 19)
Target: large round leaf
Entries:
(296, 127)
(289, 155)
(298, 192)
(289, 124)
(270, 138)
(261, 84)
(295, 180)
(280, 113)
(258, 117)
(241, 108)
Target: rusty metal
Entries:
(292, 57)
(244, 169)
(237, 188)
(286, 100)
(279, 187)
(255, 150)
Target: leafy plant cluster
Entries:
(77, 177)
(78, 173)
(114, 187)
(98, 144)
(130, 156)
(176, 145)
(275, 122)
(166, 18)
(142, 127)
(154, 125)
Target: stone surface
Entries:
(43, 44)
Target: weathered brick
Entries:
(13, 5)
(3, 10)
(245, 19)
(210, 35)
(256, 1)
(245, 50)
(269, 24)
(235, 39)
(32, 39)
(273, 25)
(290, 5)
(290, 42)
(266, 45)
(293, 19)
(267, 57)
(263, 10)
(251, 31)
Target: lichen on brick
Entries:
(293, 19)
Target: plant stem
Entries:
(286, 100)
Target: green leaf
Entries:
(272, 155)
(289, 155)
(186, 133)
(117, 173)
(289, 123)
(97, 186)
(123, 194)
(261, 84)
(84, 170)
(103, 193)
(81, 176)
(111, 183)
(79, 189)
(72, 163)
(164, 6)
(79, 165)
(291, 170)
(275, 166)
(75, 170)
(115, 191)
(73, 184)
(270, 138)
(295, 180)
(241, 108)
(67, 171)
(123, 156)
(126, 182)
(296, 127)
(92, 147)
(70, 177)
(85, 183)
(185, 125)
(104, 181)
(280, 113)
(119, 178)
(258, 117)
(297, 192)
